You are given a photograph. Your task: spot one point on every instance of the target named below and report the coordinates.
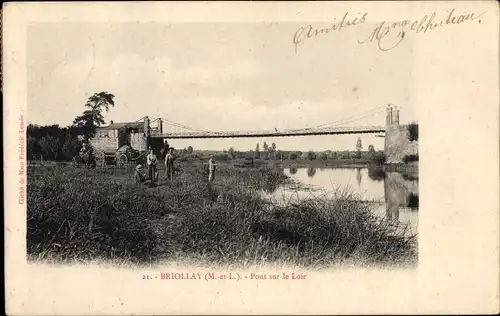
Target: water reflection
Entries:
(376, 173)
(311, 172)
(395, 195)
(359, 177)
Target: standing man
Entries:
(169, 164)
(164, 150)
(211, 169)
(151, 161)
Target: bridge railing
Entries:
(305, 131)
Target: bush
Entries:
(311, 155)
(413, 132)
(410, 158)
(379, 158)
(222, 156)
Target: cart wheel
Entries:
(122, 160)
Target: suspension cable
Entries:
(377, 109)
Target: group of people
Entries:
(152, 175)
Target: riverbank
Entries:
(341, 163)
(82, 215)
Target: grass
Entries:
(87, 215)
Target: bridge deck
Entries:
(285, 133)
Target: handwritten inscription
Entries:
(306, 32)
(388, 35)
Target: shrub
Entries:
(410, 158)
(413, 132)
(378, 158)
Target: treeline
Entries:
(377, 157)
(52, 142)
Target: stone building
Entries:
(115, 135)
(137, 135)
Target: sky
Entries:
(219, 77)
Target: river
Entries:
(394, 195)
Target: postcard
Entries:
(251, 158)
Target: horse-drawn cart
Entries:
(121, 157)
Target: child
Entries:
(211, 169)
(139, 176)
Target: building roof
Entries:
(116, 126)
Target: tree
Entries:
(293, 156)
(359, 147)
(311, 155)
(371, 151)
(190, 150)
(265, 146)
(33, 148)
(100, 100)
(323, 156)
(92, 118)
(266, 151)
(231, 152)
(70, 147)
(257, 152)
(413, 131)
(49, 147)
(279, 154)
(379, 158)
(272, 150)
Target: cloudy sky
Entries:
(218, 77)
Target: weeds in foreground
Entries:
(94, 214)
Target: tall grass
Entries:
(91, 214)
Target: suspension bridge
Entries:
(159, 126)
